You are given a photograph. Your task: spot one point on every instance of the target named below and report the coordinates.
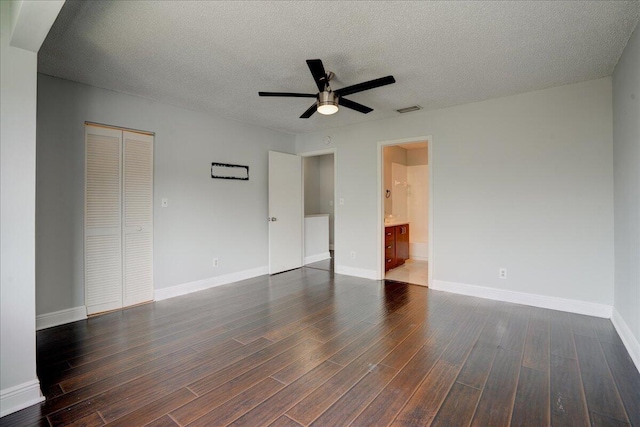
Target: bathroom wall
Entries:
(418, 209)
(392, 154)
(399, 192)
(418, 156)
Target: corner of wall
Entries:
(627, 337)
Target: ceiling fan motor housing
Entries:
(327, 102)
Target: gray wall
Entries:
(325, 172)
(626, 163)
(206, 217)
(17, 207)
(523, 182)
(311, 185)
(318, 187)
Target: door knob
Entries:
(139, 228)
(272, 219)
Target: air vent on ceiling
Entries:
(409, 109)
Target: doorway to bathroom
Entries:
(405, 211)
(318, 170)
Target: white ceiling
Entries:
(216, 56)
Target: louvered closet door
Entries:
(138, 218)
(103, 228)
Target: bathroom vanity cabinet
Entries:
(396, 245)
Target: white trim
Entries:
(199, 285)
(418, 258)
(315, 258)
(542, 301)
(61, 317)
(18, 397)
(379, 250)
(357, 272)
(627, 337)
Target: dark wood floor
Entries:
(305, 348)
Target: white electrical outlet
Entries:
(353, 254)
(502, 273)
(215, 262)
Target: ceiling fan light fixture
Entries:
(327, 103)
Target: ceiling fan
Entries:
(327, 100)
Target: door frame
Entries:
(380, 252)
(315, 153)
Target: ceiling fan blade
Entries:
(354, 106)
(383, 81)
(288, 94)
(318, 73)
(309, 112)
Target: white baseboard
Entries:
(357, 272)
(419, 251)
(542, 301)
(630, 341)
(199, 285)
(61, 317)
(18, 397)
(315, 258)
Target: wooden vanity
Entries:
(396, 245)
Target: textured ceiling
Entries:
(216, 56)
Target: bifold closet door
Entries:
(118, 218)
(138, 218)
(103, 227)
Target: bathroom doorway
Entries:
(405, 211)
(318, 170)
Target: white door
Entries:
(103, 229)
(137, 230)
(285, 212)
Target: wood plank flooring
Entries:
(306, 347)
